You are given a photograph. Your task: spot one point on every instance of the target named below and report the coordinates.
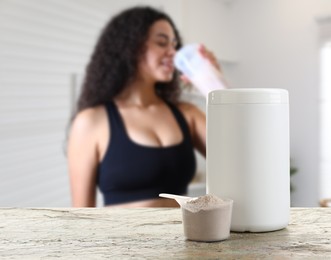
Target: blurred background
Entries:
(46, 44)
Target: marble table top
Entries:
(151, 233)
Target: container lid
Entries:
(248, 96)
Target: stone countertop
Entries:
(151, 233)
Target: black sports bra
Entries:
(131, 172)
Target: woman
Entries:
(130, 136)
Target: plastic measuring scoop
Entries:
(180, 199)
(208, 221)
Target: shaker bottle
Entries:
(248, 156)
(198, 69)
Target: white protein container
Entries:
(248, 156)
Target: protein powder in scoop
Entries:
(207, 218)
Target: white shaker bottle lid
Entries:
(248, 96)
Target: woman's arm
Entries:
(199, 131)
(83, 159)
(196, 120)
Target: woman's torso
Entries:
(144, 151)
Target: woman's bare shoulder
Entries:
(88, 119)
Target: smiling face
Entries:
(156, 64)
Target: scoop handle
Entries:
(173, 196)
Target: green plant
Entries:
(293, 171)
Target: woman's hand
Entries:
(210, 57)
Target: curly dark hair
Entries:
(115, 58)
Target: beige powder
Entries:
(205, 202)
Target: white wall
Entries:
(279, 47)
